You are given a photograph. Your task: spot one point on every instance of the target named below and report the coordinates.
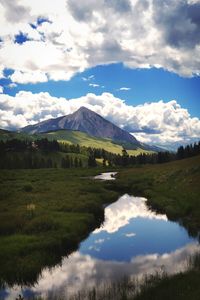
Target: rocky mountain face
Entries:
(87, 121)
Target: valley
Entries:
(100, 150)
(47, 212)
(54, 209)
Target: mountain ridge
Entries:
(86, 121)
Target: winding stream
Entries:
(132, 241)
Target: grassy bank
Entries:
(44, 215)
(171, 188)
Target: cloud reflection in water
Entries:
(119, 214)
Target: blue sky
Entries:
(146, 85)
(130, 61)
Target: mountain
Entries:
(87, 121)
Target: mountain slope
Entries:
(83, 139)
(86, 121)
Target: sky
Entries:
(135, 62)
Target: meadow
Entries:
(45, 213)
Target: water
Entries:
(132, 241)
(106, 176)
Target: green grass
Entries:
(172, 188)
(65, 208)
(139, 151)
(182, 286)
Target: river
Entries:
(132, 241)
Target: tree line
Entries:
(158, 157)
(36, 154)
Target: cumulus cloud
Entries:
(26, 77)
(1, 89)
(155, 123)
(141, 34)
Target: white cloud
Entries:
(140, 34)
(124, 89)
(157, 122)
(26, 77)
(99, 241)
(1, 89)
(1, 74)
(12, 85)
(94, 85)
(88, 78)
(131, 234)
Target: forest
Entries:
(24, 154)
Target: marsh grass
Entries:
(44, 215)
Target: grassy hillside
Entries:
(72, 137)
(83, 139)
